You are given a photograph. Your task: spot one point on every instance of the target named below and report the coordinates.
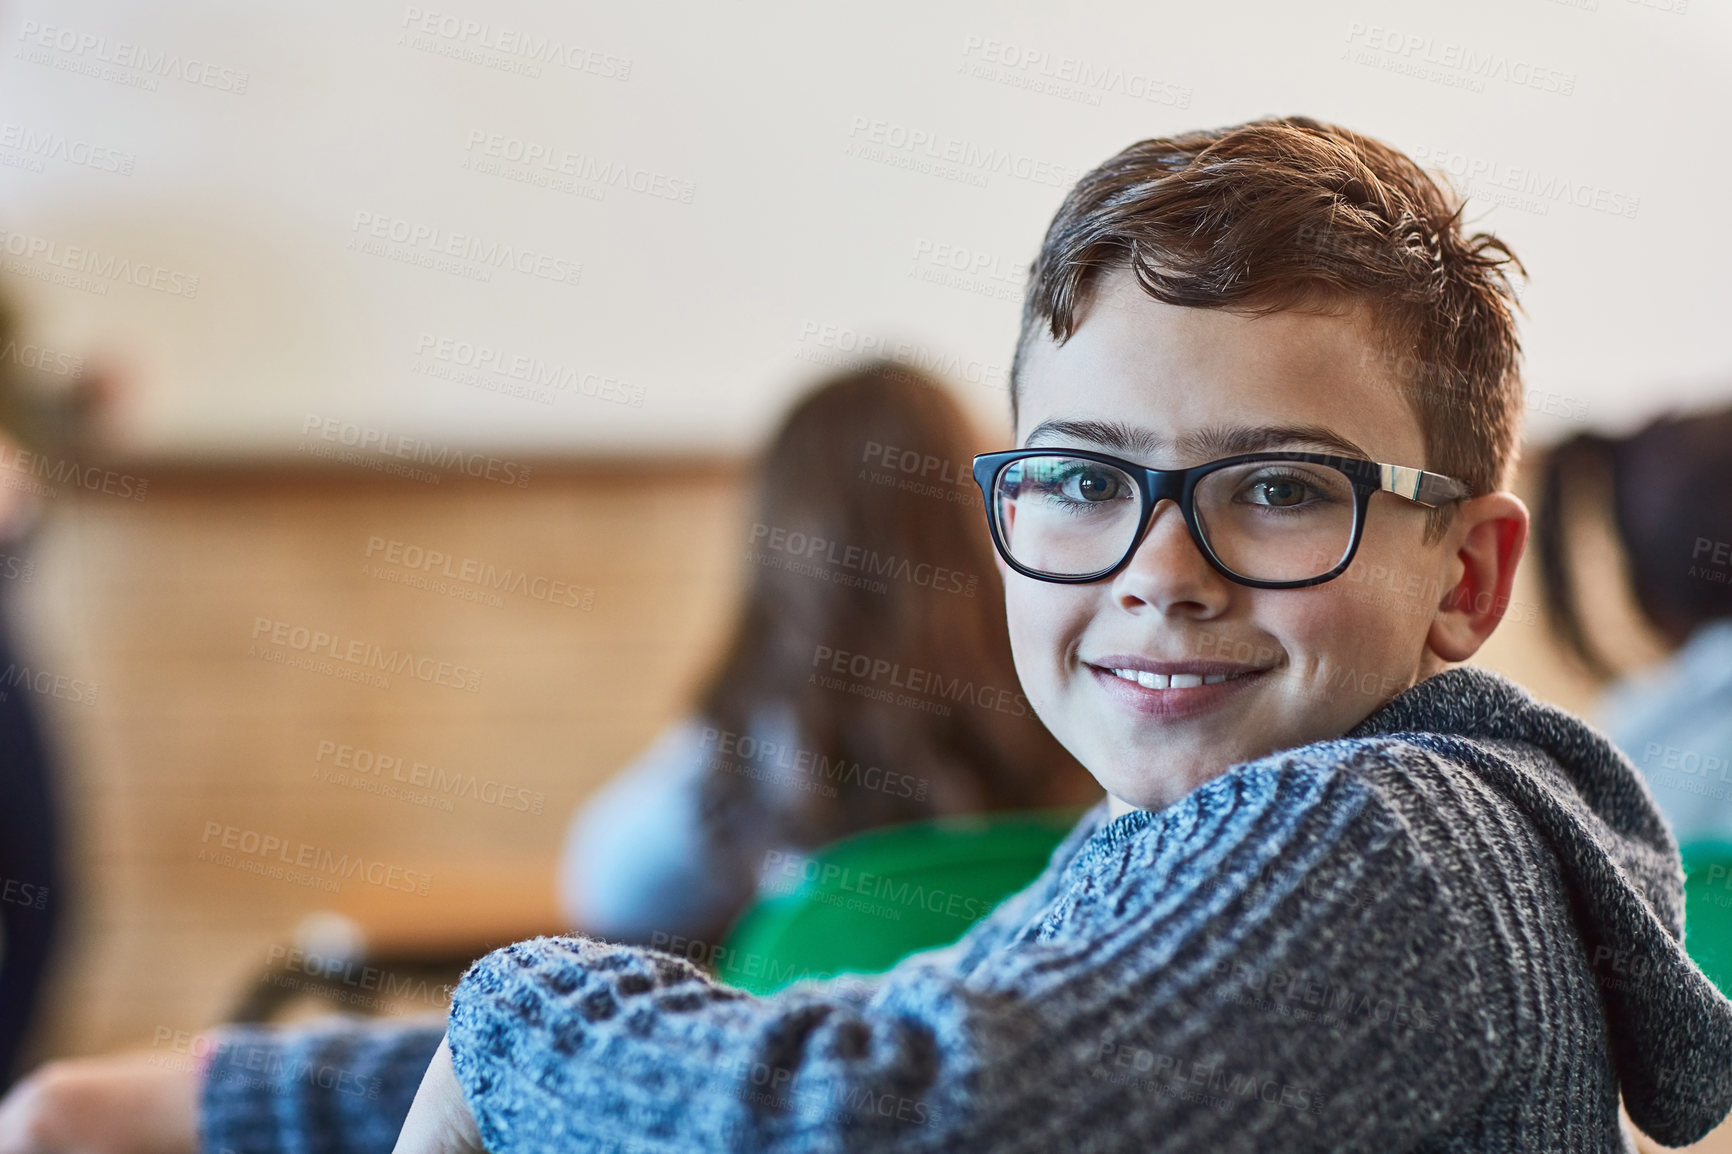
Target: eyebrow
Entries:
(1207, 443)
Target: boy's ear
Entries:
(1488, 535)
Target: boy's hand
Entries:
(439, 1120)
(116, 1105)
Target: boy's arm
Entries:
(1172, 998)
(338, 1087)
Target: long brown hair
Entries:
(873, 618)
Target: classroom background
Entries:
(449, 330)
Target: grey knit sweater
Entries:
(1455, 929)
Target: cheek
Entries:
(1344, 627)
(1044, 622)
(1024, 620)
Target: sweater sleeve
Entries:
(1273, 962)
(341, 1086)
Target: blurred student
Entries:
(45, 419)
(865, 546)
(1669, 491)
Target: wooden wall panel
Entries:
(156, 602)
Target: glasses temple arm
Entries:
(1421, 487)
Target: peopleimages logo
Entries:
(364, 655)
(41, 358)
(22, 463)
(1529, 189)
(1064, 76)
(1685, 760)
(831, 665)
(102, 268)
(89, 49)
(534, 372)
(43, 144)
(516, 44)
(49, 684)
(745, 751)
(266, 853)
(838, 346)
(1206, 1083)
(482, 574)
(811, 548)
(189, 1053)
(580, 166)
(32, 896)
(395, 445)
(940, 154)
(1459, 65)
(970, 270)
(356, 764)
(783, 872)
(425, 244)
(923, 465)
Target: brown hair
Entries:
(1666, 486)
(875, 461)
(1294, 213)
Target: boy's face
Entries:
(1308, 663)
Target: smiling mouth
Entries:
(1150, 680)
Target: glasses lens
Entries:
(1066, 516)
(1277, 520)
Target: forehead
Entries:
(1171, 371)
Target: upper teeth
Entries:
(1169, 681)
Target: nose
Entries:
(1168, 573)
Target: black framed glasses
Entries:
(1276, 520)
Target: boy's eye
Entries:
(1280, 491)
(1070, 481)
(1092, 484)
(1290, 489)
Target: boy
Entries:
(1309, 914)
(1339, 896)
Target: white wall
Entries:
(703, 312)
